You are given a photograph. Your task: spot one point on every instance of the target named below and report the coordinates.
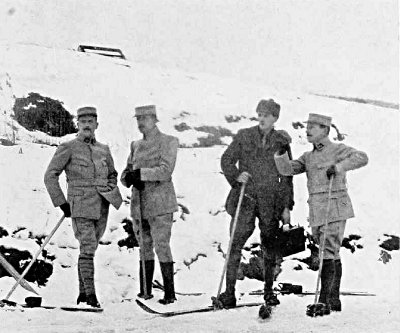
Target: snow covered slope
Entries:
(115, 87)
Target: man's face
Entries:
(315, 132)
(266, 121)
(87, 125)
(146, 123)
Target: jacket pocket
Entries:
(75, 197)
(79, 168)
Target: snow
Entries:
(182, 95)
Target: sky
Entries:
(335, 47)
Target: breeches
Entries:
(89, 231)
(333, 239)
(156, 236)
(268, 225)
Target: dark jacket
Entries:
(266, 188)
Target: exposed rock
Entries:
(3, 232)
(390, 244)
(130, 242)
(351, 243)
(40, 271)
(385, 257)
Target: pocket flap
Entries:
(80, 162)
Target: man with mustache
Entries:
(92, 186)
(326, 160)
(149, 169)
(249, 159)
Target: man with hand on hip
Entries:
(92, 186)
(324, 161)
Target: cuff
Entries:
(283, 165)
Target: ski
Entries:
(158, 285)
(9, 305)
(188, 311)
(305, 293)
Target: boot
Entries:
(92, 301)
(82, 295)
(167, 272)
(227, 299)
(269, 296)
(81, 298)
(335, 303)
(86, 270)
(327, 276)
(149, 268)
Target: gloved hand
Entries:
(133, 178)
(66, 208)
(331, 172)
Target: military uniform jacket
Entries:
(155, 156)
(91, 176)
(266, 188)
(315, 163)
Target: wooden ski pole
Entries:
(142, 260)
(322, 245)
(35, 257)
(12, 271)
(235, 220)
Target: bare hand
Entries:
(286, 216)
(243, 177)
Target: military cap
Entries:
(87, 111)
(145, 110)
(319, 119)
(268, 107)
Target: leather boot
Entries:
(92, 301)
(335, 303)
(327, 276)
(269, 271)
(82, 295)
(149, 269)
(167, 272)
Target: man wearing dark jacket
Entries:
(268, 197)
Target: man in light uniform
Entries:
(92, 186)
(326, 160)
(149, 169)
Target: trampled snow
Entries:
(197, 99)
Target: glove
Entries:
(66, 208)
(133, 178)
(331, 172)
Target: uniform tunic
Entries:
(315, 164)
(92, 186)
(155, 156)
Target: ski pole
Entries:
(322, 246)
(12, 271)
(235, 219)
(142, 260)
(35, 257)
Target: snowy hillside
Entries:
(191, 106)
(195, 99)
